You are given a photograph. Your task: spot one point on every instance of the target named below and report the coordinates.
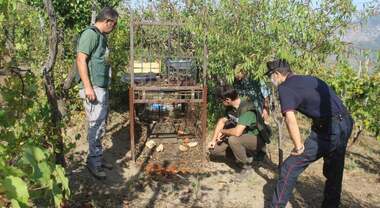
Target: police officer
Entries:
(330, 130)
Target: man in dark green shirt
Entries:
(254, 89)
(243, 135)
(94, 71)
(258, 92)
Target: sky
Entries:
(359, 3)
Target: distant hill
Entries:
(367, 36)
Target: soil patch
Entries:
(129, 184)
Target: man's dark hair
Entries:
(107, 13)
(280, 65)
(226, 91)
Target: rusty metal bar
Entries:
(157, 23)
(167, 88)
(132, 123)
(139, 95)
(170, 101)
(132, 52)
(204, 95)
(185, 57)
(205, 48)
(204, 122)
(131, 92)
(205, 62)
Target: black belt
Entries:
(325, 125)
(319, 122)
(337, 117)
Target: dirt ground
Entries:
(212, 184)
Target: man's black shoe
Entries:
(97, 172)
(260, 155)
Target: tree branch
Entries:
(53, 37)
(14, 70)
(58, 110)
(20, 73)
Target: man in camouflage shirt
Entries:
(258, 92)
(254, 89)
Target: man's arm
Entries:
(294, 132)
(265, 92)
(246, 119)
(83, 73)
(217, 134)
(265, 113)
(236, 131)
(219, 126)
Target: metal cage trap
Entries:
(167, 88)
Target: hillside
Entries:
(365, 36)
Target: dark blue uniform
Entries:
(331, 128)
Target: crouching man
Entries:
(237, 130)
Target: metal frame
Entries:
(178, 94)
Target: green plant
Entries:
(359, 93)
(33, 176)
(29, 174)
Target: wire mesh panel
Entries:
(167, 89)
(181, 94)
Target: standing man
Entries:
(256, 90)
(330, 130)
(259, 93)
(241, 135)
(94, 71)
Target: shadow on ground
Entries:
(307, 193)
(128, 185)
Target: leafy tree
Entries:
(29, 125)
(239, 34)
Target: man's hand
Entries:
(90, 94)
(294, 133)
(212, 144)
(297, 151)
(83, 73)
(265, 116)
(219, 137)
(216, 141)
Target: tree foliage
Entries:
(29, 174)
(239, 34)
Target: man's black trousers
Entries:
(327, 140)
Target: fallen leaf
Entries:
(184, 171)
(150, 144)
(183, 148)
(192, 144)
(172, 169)
(160, 148)
(153, 168)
